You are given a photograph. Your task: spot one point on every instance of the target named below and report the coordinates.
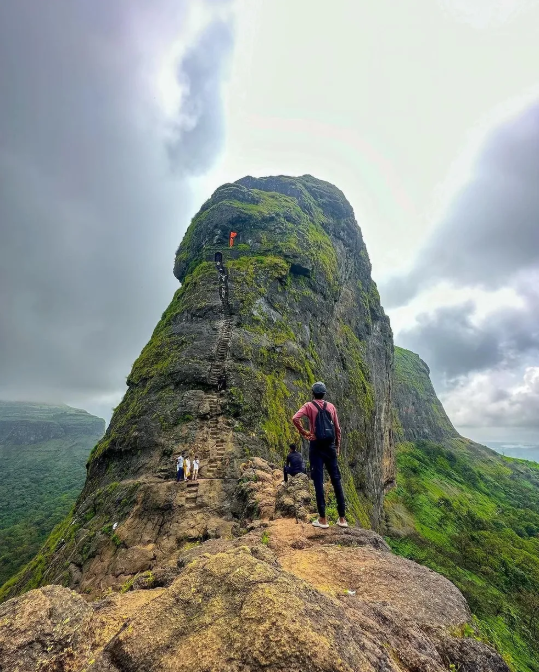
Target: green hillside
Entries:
(43, 451)
(472, 515)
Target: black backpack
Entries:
(324, 429)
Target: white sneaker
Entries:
(345, 524)
(317, 523)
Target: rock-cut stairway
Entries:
(217, 463)
(217, 375)
(191, 494)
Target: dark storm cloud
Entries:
(491, 232)
(449, 341)
(90, 210)
(201, 72)
(454, 343)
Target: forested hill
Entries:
(43, 451)
(468, 513)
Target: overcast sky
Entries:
(115, 125)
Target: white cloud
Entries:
(90, 210)
(499, 399)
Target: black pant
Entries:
(322, 454)
(292, 472)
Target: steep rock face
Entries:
(305, 308)
(282, 599)
(233, 357)
(420, 412)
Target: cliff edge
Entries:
(283, 598)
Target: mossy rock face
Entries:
(302, 306)
(421, 415)
(307, 309)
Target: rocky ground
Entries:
(281, 596)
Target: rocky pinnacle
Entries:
(251, 328)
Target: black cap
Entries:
(319, 388)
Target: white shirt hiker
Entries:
(195, 465)
(179, 463)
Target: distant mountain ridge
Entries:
(468, 513)
(421, 413)
(23, 423)
(43, 452)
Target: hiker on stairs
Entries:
(186, 468)
(324, 434)
(179, 468)
(196, 463)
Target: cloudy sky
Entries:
(118, 119)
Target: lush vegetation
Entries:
(473, 516)
(41, 478)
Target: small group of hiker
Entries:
(186, 468)
(324, 435)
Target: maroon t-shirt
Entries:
(310, 411)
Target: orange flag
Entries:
(233, 234)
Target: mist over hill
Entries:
(43, 451)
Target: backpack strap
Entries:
(318, 407)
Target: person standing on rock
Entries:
(324, 435)
(179, 468)
(186, 468)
